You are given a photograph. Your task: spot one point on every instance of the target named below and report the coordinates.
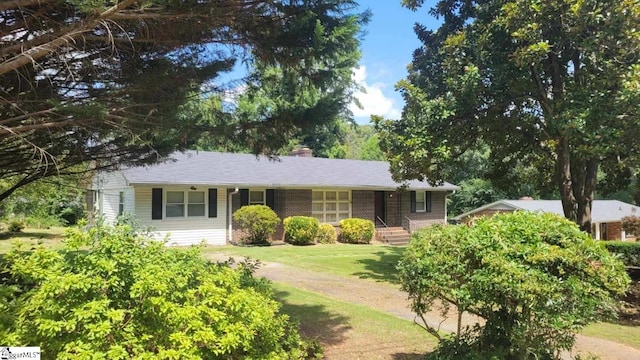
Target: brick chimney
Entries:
(301, 151)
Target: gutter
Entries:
(230, 215)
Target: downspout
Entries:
(230, 215)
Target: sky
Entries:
(387, 49)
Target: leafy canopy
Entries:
(112, 293)
(535, 279)
(554, 84)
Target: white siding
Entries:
(183, 231)
(109, 185)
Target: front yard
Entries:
(342, 327)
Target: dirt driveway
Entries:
(390, 299)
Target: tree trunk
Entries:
(577, 181)
(565, 182)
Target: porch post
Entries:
(597, 232)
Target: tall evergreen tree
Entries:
(104, 82)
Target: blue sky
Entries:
(386, 50)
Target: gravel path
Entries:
(390, 299)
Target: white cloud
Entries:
(374, 101)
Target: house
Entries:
(193, 196)
(606, 215)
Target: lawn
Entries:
(31, 237)
(377, 262)
(374, 262)
(349, 331)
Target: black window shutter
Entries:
(413, 201)
(428, 200)
(156, 203)
(213, 203)
(244, 197)
(270, 198)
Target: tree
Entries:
(554, 84)
(103, 83)
(536, 279)
(113, 293)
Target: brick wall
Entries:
(614, 230)
(421, 219)
(362, 204)
(290, 203)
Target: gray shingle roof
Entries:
(603, 210)
(246, 170)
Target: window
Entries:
(195, 205)
(331, 206)
(420, 201)
(121, 203)
(256, 197)
(175, 204)
(185, 203)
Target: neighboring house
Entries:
(192, 197)
(606, 215)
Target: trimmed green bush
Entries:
(258, 222)
(628, 251)
(356, 231)
(112, 293)
(300, 230)
(326, 234)
(535, 278)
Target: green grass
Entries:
(375, 262)
(623, 334)
(31, 237)
(353, 330)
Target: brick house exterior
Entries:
(193, 198)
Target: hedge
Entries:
(300, 230)
(258, 222)
(628, 251)
(356, 231)
(326, 234)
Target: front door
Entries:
(380, 208)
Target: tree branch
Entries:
(12, 4)
(38, 52)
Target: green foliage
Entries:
(558, 101)
(326, 234)
(15, 225)
(111, 293)
(356, 231)
(258, 222)
(631, 224)
(50, 202)
(300, 230)
(535, 278)
(151, 58)
(629, 252)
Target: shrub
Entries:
(258, 222)
(326, 234)
(535, 278)
(356, 231)
(629, 252)
(15, 225)
(631, 224)
(300, 230)
(125, 296)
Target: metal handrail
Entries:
(382, 222)
(408, 222)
